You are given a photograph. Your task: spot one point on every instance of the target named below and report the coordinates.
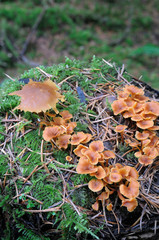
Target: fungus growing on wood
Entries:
(38, 96)
(130, 204)
(95, 185)
(85, 167)
(96, 146)
(119, 106)
(130, 191)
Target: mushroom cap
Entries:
(133, 90)
(145, 124)
(38, 96)
(152, 108)
(96, 146)
(108, 154)
(150, 152)
(145, 160)
(85, 167)
(119, 106)
(95, 206)
(77, 138)
(124, 171)
(130, 191)
(70, 127)
(133, 173)
(52, 132)
(100, 173)
(130, 102)
(154, 128)
(141, 135)
(120, 128)
(130, 204)
(68, 158)
(92, 156)
(115, 177)
(66, 115)
(77, 150)
(137, 117)
(58, 121)
(145, 142)
(109, 206)
(63, 141)
(88, 138)
(138, 154)
(129, 113)
(103, 196)
(148, 116)
(138, 107)
(140, 98)
(95, 185)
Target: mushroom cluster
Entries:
(93, 160)
(61, 131)
(133, 104)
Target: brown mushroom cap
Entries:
(63, 141)
(85, 167)
(140, 98)
(95, 185)
(119, 106)
(120, 128)
(109, 206)
(138, 107)
(152, 108)
(78, 151)
(130, 191)
(92, 156)
(52, 132)
(70, 127)
(141, 135)
(130, 102)
(145, 160)
(103, 196)
(151, 152)
(66, 115)
(96, 146)
(129, 113)
(130, 204)
(100, 173)
(115, 177)
(108, 154)
(124, 171)
(95, 206)
(133, 90)
(145, 124)
(77, 138)
(88, 138)
(133, 173)
(68, 158)
(38, 96)
(137, 117)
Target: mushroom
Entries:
(141, 135)
(130, 204)
(70, 127)
(115, 177)
(92, 156)
(130, 191)
(96, 146)
(85, 167)
(133, 90)
(145, 160)
(66, 115)
(100, 173)
(88, 138)
(78, 151)
(119, 106)
(95, 185)
(52, 132)
(144, 124)
(63, 141)
(95, 206)
(38, 96)
(103, 196)
(151, 152)
(68, 158)
(120, 129)
(77, 138)
(152, 108)
(109, 206)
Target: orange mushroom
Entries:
(130, 204)
(88, 138)
(95, 206)
(96, 146)
(108, 154)
(100, 173)
(68, 158)
(70, 127)
(119, 106)
(109, 206)
(152, 108)
(85, 167)
(133, 90)
(38, 96)
(115, 177)
(77, 138)
(145, 160)
(92, 156)
(78, 150)
(66, 115)
(144, 124)
(95, 185)
(52, 132)
(151, 152)
(63, 141)
(120, 129)
(141, 135)
(103, 196)
(130, 191)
